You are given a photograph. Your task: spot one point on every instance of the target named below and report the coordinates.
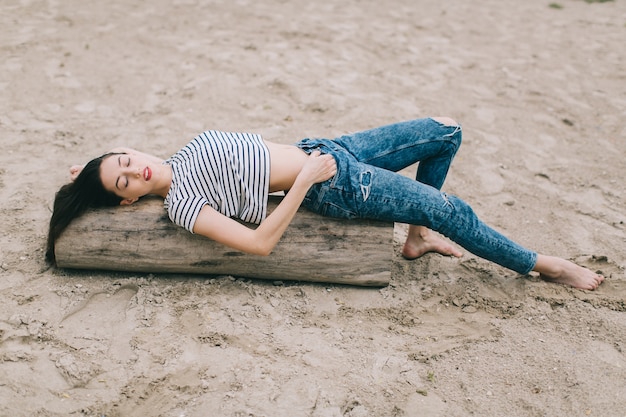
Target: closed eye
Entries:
(126, 178)
(125, 184)
(127, 163)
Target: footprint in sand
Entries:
(102, 324)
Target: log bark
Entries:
(141, 238)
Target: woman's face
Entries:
(127, 175)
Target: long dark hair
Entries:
(73, 199)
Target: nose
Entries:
(132, 171)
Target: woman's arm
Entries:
(263, 239)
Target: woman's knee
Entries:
(451, 132)
(446, 121)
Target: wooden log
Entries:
(141, 238)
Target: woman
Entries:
(219, 177)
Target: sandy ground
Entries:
(541, 93)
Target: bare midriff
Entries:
(286, 162)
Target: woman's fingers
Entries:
(320, 167)
(74, 171)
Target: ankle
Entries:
(549, 266)
(419, 232)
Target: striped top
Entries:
(228, 171)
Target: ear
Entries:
(128, 201)
(74, 171)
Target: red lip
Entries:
(147, 173)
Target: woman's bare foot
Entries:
(422, 240)
(565, 272)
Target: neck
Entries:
(165, 180)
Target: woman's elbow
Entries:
(263, 250)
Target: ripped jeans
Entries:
(367, 186)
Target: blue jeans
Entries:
(367, 186)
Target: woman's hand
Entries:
(318, 168)
(75, 170)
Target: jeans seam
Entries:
(442, 140)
